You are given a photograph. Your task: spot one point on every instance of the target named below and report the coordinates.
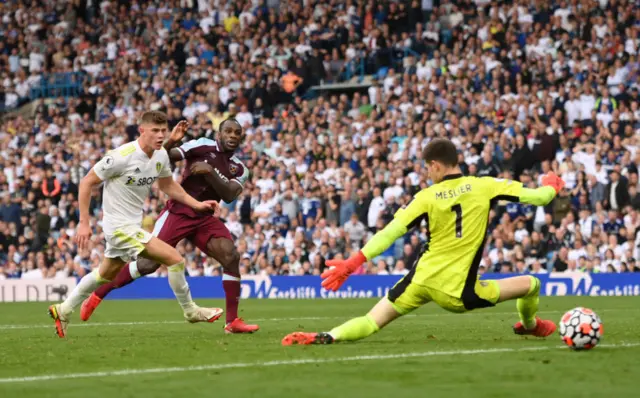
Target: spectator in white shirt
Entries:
(536, 268)
(577, 252)
(400, 268)
(375, 208)
(394, 191)
(587, 103)
(573, 108)
(244, 117)
(499, 248)
(586, 156)
(382, 268)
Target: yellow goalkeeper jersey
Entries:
(457, 212)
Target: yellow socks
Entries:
(528, 305)
(355, 329)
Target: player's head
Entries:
(230, 134)
(153, 127)
(441, 158)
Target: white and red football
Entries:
(581, 329)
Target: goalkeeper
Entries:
(456, 210)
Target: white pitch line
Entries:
(143, 323)
(129, 372)
(307, 318)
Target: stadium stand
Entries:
(337, 99)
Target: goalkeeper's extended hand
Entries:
(553, 181)
(340, 270)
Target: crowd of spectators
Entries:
(520, 87)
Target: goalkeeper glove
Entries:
(340, 270)
(553, 181)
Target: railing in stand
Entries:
(58, 85)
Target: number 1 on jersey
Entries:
(458, 209)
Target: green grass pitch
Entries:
(143, 349)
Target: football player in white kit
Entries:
(128, 173)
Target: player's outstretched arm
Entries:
(514, 191)
(177, 134)
(542, 196)
(404, 220)
(334, 277)
(176, 192)
(228, 190)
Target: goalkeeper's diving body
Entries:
(456, 210)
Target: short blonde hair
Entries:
(154, 117)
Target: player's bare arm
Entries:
(84, 197)
(176, 192)
(177, 134)
(228, 190)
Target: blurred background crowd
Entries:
(521, 87)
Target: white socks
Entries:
(133, 270)
(93, 280)
(180, 287)
(88, 284)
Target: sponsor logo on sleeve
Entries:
(107, 162)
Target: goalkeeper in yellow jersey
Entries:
(456, 210)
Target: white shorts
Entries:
(126, 243)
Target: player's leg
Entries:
(168, 229)
(403, 298)
(89, 283)
(383, 313)
(526, 291)
(224, 251)
(161, 252)
(129, 273)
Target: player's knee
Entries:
(109, 269)
(534, 286)
(174, 258)
(231, 260)
(146, 267)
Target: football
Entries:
(581, 329)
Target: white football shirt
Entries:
(128, 174)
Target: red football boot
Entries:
(88, 306)
(238, 326)
(61, 321)
(302, 338)
(542, 329)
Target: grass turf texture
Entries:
(470, 355)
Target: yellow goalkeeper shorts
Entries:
(406, 296)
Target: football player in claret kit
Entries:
(456, 210)
(212, 171)
(128, 173)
